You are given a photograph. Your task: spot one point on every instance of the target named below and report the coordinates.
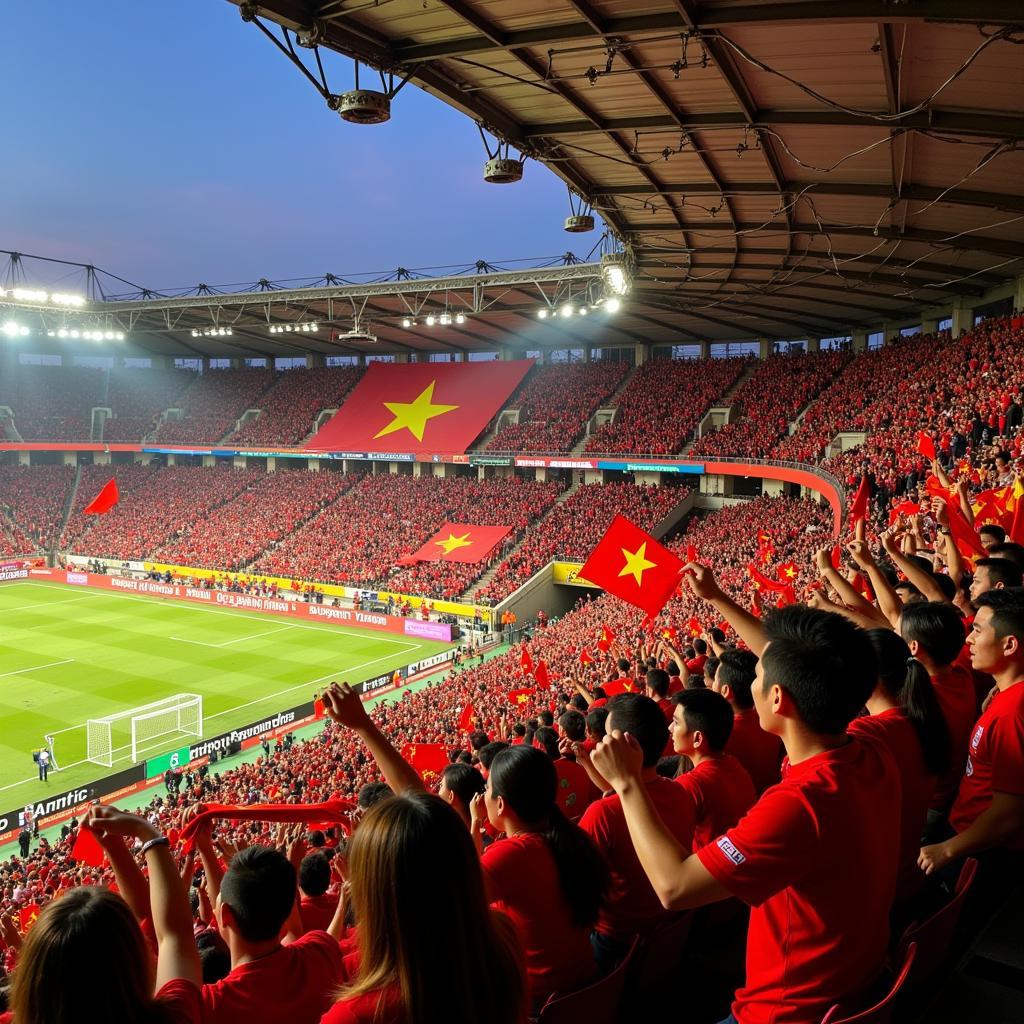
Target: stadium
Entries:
(628, 631)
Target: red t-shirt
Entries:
(575, 790)
(722, 792)
(758, 751)
(893, 729)
(954, 689)
(181, 1001)
(522, 881)
(632, 906)
(995, 760)
(318, 911)
(695, 666)
(816, 860)
(383, 1007)
(294, 983)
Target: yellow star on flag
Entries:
(413, 416)
(453, 542)
(790, 572)
(636, 563)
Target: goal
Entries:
(137, 731)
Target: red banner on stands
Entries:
(459, 542)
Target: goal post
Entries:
(133, 732)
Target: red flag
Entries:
(763, 582)
(616, 686)
(926, 446)
(466, 718)
(87, 849)
(837, 556)
(724, 626)
(521, 696)
(861, 585)
(540, 674)
(319, 711)
(1016, 531)
(633, 566)
(586, 658)
(787, 571)
(904, 508)
(458, 542)
(691, 553)
(964, 535)
(526, 663)
(429, 759)
(694, 626)
(104, 501)
(607, 639)
(859, 508)
(27, 917)
(670, 632)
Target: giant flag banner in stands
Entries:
(458, 542)
(432, 408)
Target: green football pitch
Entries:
(68, 655)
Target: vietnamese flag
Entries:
(586, 658)
(104, 501)
(787, 571)
(466, 718)
(926, 446)
(521, 696)
(904, 508)
(763, 582)
(859, 508)
(435, 408)
(967, 541)
(694, 627)
(429, 759)
(540, 674)
(607, 639)
(633, 566)
(87, 848)
(526, 663)
(27, 916)
(459, 542)
(1016, 531)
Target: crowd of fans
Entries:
(51, 403)
(213, 403)
(32, 502)
(137, 397)
(663, 403)
(555, 403)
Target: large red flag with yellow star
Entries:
(631, 564)
(420, 408)
(459, 542)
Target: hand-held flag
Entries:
(104, 501)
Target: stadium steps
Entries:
(609, 407)
(68, 506)
(482, 581)
(7, 423)
(723, 405)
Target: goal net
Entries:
(137, 732)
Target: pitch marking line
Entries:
(237, 640)
(36, 668)
(43, 604)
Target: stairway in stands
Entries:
(725, 400)
(609, 403)
(69, 504)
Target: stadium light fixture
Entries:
(431, 320)
(445, 319)
(582, 311)
(460, 318)
(613, 305)
(542, 314)
(567, 310)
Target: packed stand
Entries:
(213, 403)
(768, 401)
(288, 410)
(361, 536)
(663, 404)
(555, 404)
(576, 525)
(137, 398)
(32, 498)
(52, 403)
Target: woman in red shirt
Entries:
(547, 875)
(430, 948)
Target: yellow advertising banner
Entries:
(569, 573)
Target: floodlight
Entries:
(431, 320)
(460, 318)
(542, 314)
(364, 106)
(503, 170)
(613, 305)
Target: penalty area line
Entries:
(36, 668)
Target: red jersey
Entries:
(995, 759)
(575, 790)
(722, 792)
(522, 881)
(318, 911)
(954, 689)
(758, 751)
(816, 860)
(695, 666)
(383, 1007)
(180, 1001)
(294, 983)
(893, 729)
(632, 906)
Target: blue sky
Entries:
(170, 143)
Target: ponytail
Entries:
(582, 871)
(917, 696)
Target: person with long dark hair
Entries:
(547, 875)
(904, 715)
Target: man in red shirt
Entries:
(316, 904)
(759, 752)
(720, 786)
(819, 922)
(988, 814)
(632, 906)
(575, 790)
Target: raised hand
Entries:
(619, 759)
(343, 706)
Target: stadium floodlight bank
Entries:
(137, 729)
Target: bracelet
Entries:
(158, 841)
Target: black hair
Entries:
(717, 635)
(736, 669)
(579, 702)
(259, 887)
(546, 717)
(711, 667)
(487, 754)
(519, 729)
(463, 780)
(372, 793)
(1009, 550)
(215, 962)
(667, 766)
(672, 668)
(643, 720)
(709, 712)
(596, 719)
(478, 738)
(657, 682)
(599, 692)
(1007, 611)
(526, 780)
(946, 584)
(314, 874)
(316, 838)
(993, 530)
(937, 627)
(904, 679)
(573, 726)
(623, 664)
(700, 646)
(921, 562)
(548, 740)
(823, 662)
(1000, 570)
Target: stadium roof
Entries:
(774, 169)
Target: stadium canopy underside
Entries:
(774, 170)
